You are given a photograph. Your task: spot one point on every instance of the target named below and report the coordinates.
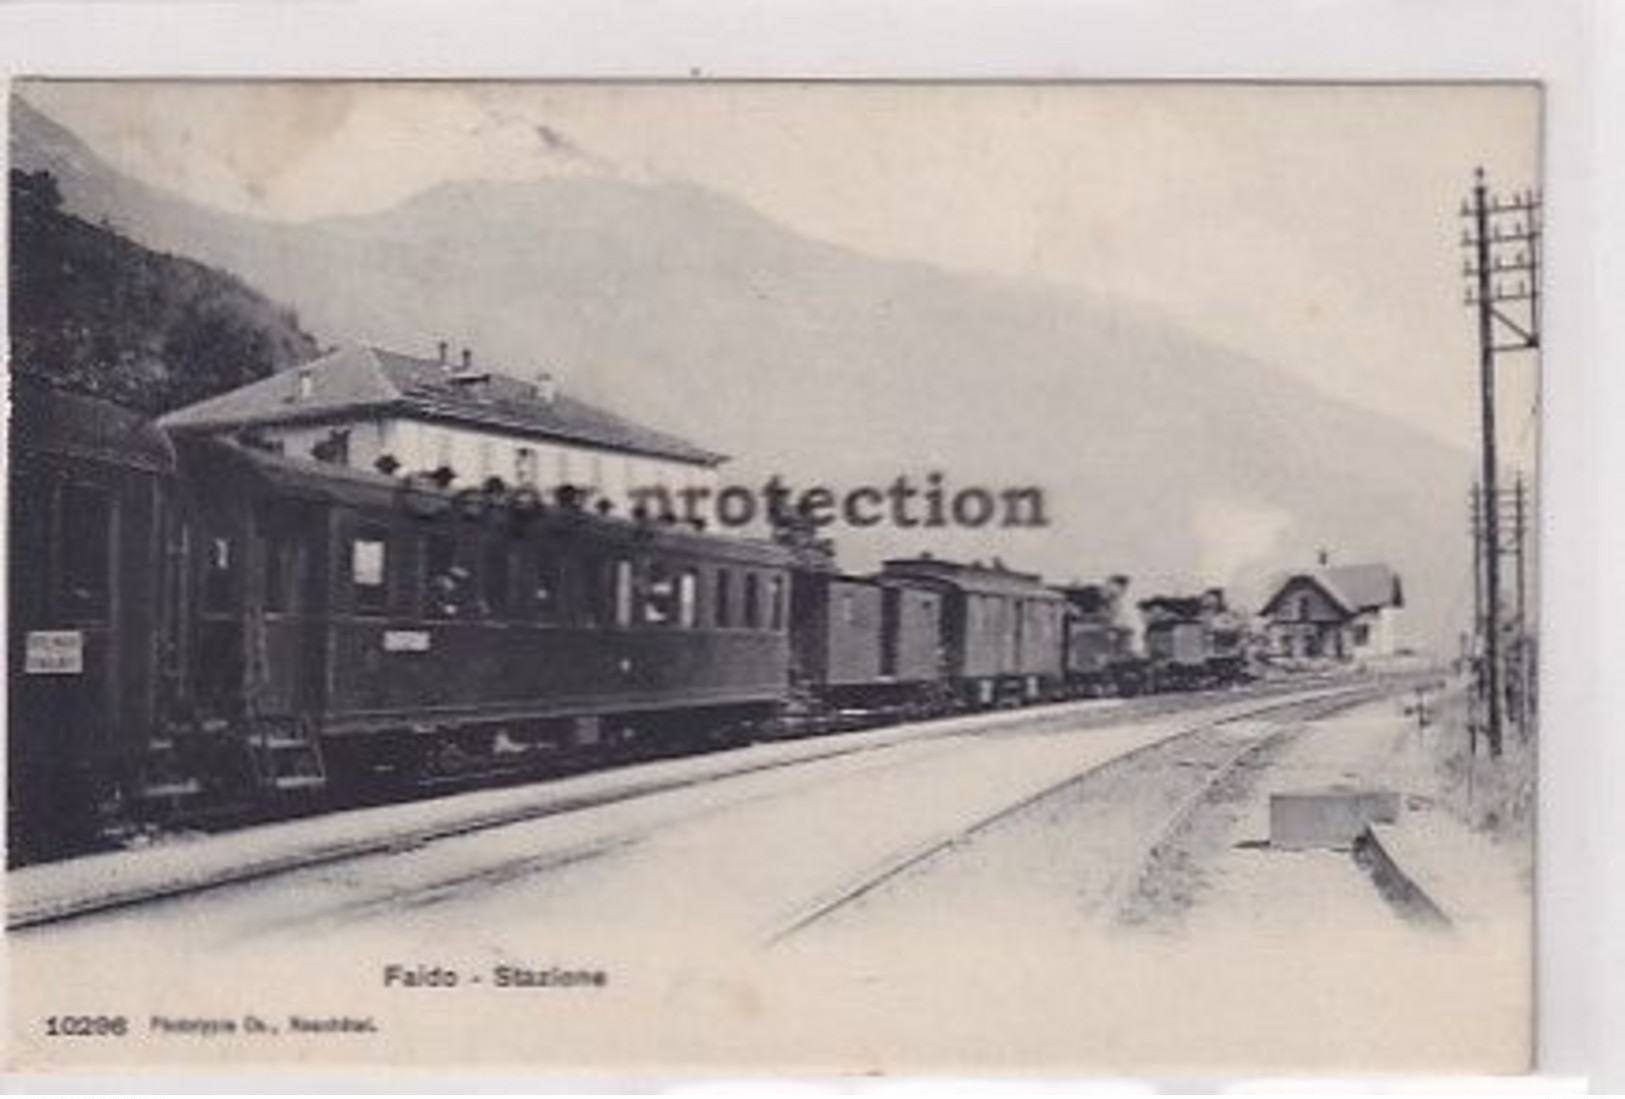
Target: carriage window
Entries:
(688, 599)
(494, 577)
(753, 601)
(621, 579)
(583, 600)
(775, 603)
(368, 561)
(544, 587)
(219, 572)
(85, 519)
(448, 584)
(659, 596)
(723, 616)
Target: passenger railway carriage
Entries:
(419, 634)
(91, 624)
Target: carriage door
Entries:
(1018, 634)
(280, 643)
(218, 651)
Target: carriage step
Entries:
(281, 744)
(286, 761)
(160, 791)
(298, 782)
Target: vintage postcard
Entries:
(743, 577)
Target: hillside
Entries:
(1161, 454)
(93, 312)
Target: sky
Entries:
(1314, 227)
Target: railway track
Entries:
(690, 773)
(1284, 715)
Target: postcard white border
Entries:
(1559, 42)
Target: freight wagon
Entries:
(1003, 631)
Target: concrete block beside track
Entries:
(1331, 817)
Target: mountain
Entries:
(1161, 455)
(93, 312)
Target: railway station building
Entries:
(1342, 613)
(370, 408)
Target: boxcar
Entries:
(865, 648)
(1002, 631)
(90, 641)
(380, 628)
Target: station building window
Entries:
(525, 466)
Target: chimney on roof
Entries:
(444, 349)
(547, 387)
(468, 359)
(1324, 557)
(304, 385)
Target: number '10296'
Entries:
(87, 1026)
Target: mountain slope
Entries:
(1161, 455)
(93, 312)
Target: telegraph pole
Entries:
(1520, 536)
(1476, 654)
(1490, 512)
(1504, 243)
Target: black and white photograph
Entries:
(981, 577)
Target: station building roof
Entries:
(1353, 588)
(361, 381)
